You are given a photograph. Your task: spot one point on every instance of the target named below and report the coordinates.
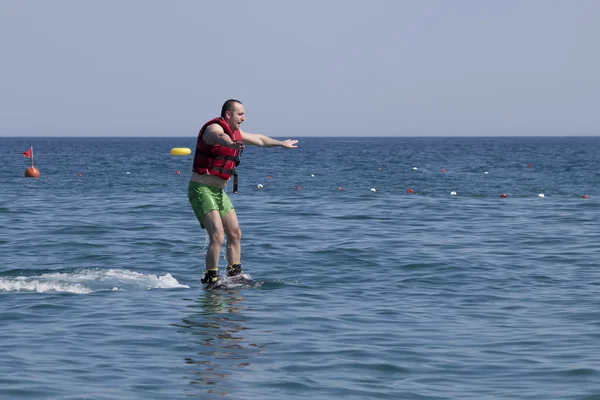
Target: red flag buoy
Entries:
(32, 172)
(178, 172)
(443, 170)
(409, 191)
(503, 195)
(585, 196)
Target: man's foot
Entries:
(234, 269)
(210, 278)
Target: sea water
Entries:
(365, 289)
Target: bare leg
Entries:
(216, 236)
(234, 236)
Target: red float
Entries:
(32, 172)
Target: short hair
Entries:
(228, 106)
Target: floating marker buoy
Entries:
(485, 172)
(298, 188)
(313, 175)
(340, 188)
(260, 186)
(128, 172)
(414, 168)
(32, 172)
(409, 191)
(452, 193)
(269, 177)
(541, 195)
(79, 174)
(379, 168)
(528, 165)
(177, 172)
(373, 190)
(503, 195)
(585, 196)
(443, 170)
(180, 151)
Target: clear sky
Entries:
(301, 68)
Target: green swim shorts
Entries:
(204, 199)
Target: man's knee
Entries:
(216, 237)
(234, 235)
(238, 233)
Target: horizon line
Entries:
(314, 137)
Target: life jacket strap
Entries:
(235, 182)
(222, 170)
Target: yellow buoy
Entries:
(180, 151)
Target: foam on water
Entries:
(82, 281)
(23, 284)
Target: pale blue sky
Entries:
(301, 68)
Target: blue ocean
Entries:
(384, 268)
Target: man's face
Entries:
(236, 116)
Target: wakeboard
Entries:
(242, 281)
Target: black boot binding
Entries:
(210, 278)
(234, 269)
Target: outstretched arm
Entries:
(257, 139)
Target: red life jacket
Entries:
(215, 159)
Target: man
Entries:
(220, 143)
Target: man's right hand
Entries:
(236, 145)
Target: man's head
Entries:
(233, 113)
